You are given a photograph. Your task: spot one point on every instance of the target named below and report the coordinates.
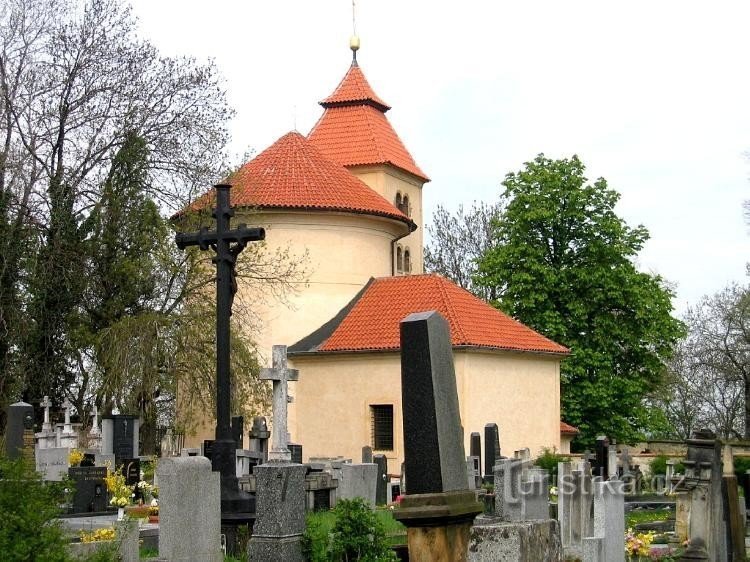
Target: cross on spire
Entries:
(280, 374)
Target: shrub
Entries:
(28, 508)
(658, 465)
(741, 464)
(549, 459)
(358, 534)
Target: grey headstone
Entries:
(367, 454)
(609, 518)
(19, 431)
(280, 508)
(189, 510)
(381, 487)
(358, 481)
(53, 463)
(433, 442)
(536, 495)
(120, 437)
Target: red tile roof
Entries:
(354, 130)
(354, 89)
(568, 429)
(371, 321)
(293, 174)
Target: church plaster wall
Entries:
(518, 391)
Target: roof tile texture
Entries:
(373, 322)
(354, 87)
(354, 130)
(568, 429)
(293, 174)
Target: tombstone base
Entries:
(523, 541)
(438, 525)
(276, 549)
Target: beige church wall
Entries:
(343, 251)
(388, 181)
(519, 392)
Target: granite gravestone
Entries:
(189, 510)
(19, 433)
(90, 489)
(438, 509)
(238, 425)
(259, 435)
(208, 448)
(366, 454)
(120, 437)
(601, 462)
(491, 450)
(475, 448)
(131, 469)
(381, 488)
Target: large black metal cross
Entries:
(227, 243)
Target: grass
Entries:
(394, 530)
(632, 518)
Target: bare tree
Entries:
(457, 240)
(709, 378)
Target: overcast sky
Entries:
(653, 96)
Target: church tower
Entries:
(355, 132)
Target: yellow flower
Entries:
(75, 457)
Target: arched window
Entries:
(407, 261)
(405, 206)
(399, 202)
(399, 260)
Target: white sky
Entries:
(653, 96)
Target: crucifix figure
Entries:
(46, 404)
(227, 243)
(280, 374)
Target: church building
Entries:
(347, 198)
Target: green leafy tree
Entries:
(28, 508)
(562, 262)
(358, 534)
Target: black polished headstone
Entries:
(475, 446)
(433, 441)
(491, 451)
(131, 469)
(381, 486)
(89, 459)
(601, 461)
(123, 437)
(296, 451)
(90, 489)
(238, 425)
(19, 425)
(208, 446)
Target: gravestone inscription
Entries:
(90, 489)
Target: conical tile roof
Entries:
(354, 130)
(293, 174)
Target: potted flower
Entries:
(121, 493)
(153, 514)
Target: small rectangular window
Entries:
(382, 427)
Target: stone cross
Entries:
(95, 423)
(280, 374)
(46, 404)
(67, 405)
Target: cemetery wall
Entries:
(519, 392)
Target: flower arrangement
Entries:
(120, 492)
(104, 534)
(75, 457)
(638, 544)
(153, 510)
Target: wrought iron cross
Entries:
(227, 243)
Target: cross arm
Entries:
(204, 237)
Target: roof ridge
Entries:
(449, 305)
